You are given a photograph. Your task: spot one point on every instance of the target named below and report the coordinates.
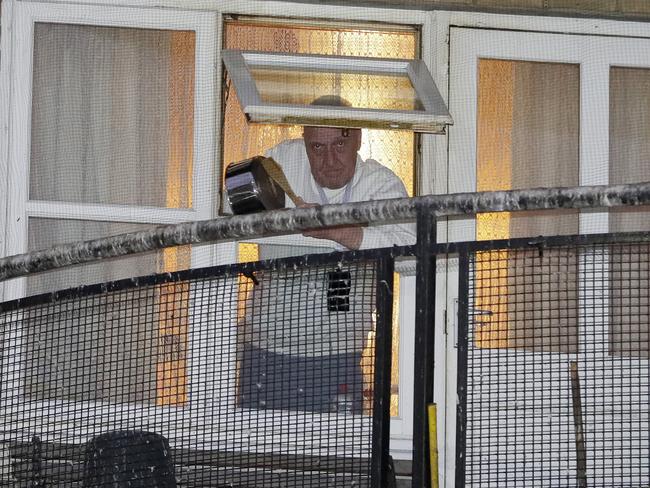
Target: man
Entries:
(305, 329)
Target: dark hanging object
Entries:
(338, 291)
(132, 459)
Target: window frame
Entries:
(401, 425)
(148, 13)
(433, 118)
(19, 208)
(595, 55)
(6, 20)
(436, 175)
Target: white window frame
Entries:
(148, 13)
(19, 27)
(6, 21)
(19, 207)
(595, 54)
(433, 118)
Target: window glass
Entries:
(629, 157)
(46, 232)
(149, 353)
(112, 124)
(112, 116)
(298, 87)
(528, 137)
(629, 144)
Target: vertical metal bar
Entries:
(461, 368)
(424, 344)
(383, 354)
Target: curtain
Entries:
(112, 124)
(629, 156)
(528, 137)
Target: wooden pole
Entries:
(581, 454)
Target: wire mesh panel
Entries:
(250, 375)
(553, 365)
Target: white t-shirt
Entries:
(287, 311)
(371, 181)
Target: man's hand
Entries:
(349, 236)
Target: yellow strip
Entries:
(171, 369)
(493, 172)
(433, 443)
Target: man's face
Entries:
(332, 154)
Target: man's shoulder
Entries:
(378, 181)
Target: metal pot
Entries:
(250, 189)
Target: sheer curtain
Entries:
(629, 157)
(112, 124)
(528, 137)
(100, 115)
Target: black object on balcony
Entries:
(133, 459)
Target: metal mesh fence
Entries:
(260, 374)
(553, 368)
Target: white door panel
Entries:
(595, 57)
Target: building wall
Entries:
(0, 18)
(619, 9)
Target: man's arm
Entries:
(388, 235)
(350, 236)
(372, 236)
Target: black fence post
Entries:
(424, 344)
(380, 477)
(461, 385)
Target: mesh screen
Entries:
(44, 233)
(556, 372)
(246, 375)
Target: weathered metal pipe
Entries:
(288, 221)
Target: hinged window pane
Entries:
(281, 89)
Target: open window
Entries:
(279, 88)
(275, 68)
